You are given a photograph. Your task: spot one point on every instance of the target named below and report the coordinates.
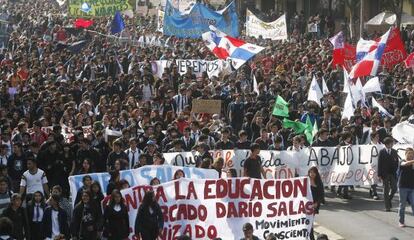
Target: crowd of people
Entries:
(109, 85)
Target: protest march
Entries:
(203, 119)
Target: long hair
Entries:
(148, 200)
(176, 174)
(88, 192)
(318, 179)
(112, 200)
(42, 200)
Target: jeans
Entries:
(390, 188)
(405, 193)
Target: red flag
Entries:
(82, 23)
(337, 42)
(409, 62)
(394, 52)
(349, 53)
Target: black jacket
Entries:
(47, 223)
(30, 210)
(148, 224)
(406, 177)
(387, 163)
(85, 217)
(20, 221)
(116, 224)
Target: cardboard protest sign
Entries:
(142, 176)
(212, 208)
(206, 106)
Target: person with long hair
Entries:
(155, 181)
(35, 210)
(86, 219)
(113, 181)
(97, 195)
(86, 167)
(150, 220)
(87, 182)
(317, 192)
(115, 218)
(179, 174)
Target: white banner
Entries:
(352, 165)
(213, 68)
(403, 132)
(218, 208)
(276, 30)
(142, 176)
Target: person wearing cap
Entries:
(248, 232)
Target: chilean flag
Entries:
(338, 44)
(370, 53)
(226, 47)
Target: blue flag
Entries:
(194, 23)
(117, 23)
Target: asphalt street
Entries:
(362, 218)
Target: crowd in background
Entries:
(109, 85)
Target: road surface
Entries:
(362, 218)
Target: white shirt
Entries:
(133, 156)
(3, 160)
(33, 182)
(37, 213)
(146, 92)
(181, 101)
(117, 207)
(55, 223)
(9, 147)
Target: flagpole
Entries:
(361, 19)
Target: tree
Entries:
(353, 6)
(395, 6)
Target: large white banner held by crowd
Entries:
(142, 176)
(212, 208)
(276, 30)
(348, 165)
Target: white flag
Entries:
(346, 82)
(348, 108)
(325, 89)
(315, 93)
(255, 87)
(373, 85)
(61, 2)
(357, 92)
(380, 108)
